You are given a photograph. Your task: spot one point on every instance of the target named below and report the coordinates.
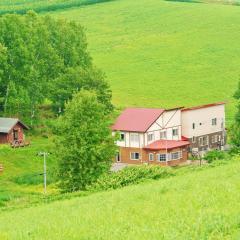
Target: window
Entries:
(193, 126)
(175, 132)
(161, 157)
(203, 141)
(219, 138)
(151, 157)
(176, 155)
(214, 121)
(150, 137)
(163, 135)
(214, 138)
(135, 156)
(122, 136)
(134, 137)
(193, 139)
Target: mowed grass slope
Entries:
(164, 54)
(202, 204)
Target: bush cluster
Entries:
(130, 175)
(214, 155)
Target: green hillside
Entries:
(159, 53)
(201, 204)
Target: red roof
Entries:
(184, 138)
(204, 106)
(166, 144)
(137, 119)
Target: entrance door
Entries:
(15, 135)
(118, 158)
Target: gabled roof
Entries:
(6, 124)
(166, 144)
(137, 119)
(203, 106)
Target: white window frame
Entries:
(151, 157)
(178, 153)
(160, 157)
(214, 138)
(200, 139)
(134, 137)
(163, 134)
(135, 159)
(193, 139)
(150, 137)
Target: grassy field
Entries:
(163, 54)
(20, 182)
(22, 6)
(201, 204)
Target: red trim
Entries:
(204, 106)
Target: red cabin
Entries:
(12, 131)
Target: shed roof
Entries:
(137, 119)
(6, 124)
(166, 144)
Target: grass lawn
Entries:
(162, 54)
(20, 181)
(200, 204)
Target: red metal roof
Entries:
(204, 106)
(137, 119)
(166, 144)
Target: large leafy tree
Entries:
(38, 54)
(84, 146)
(235, 129)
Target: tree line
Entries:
(42, 58)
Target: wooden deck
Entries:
(17, 144)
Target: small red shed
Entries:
(11, 130)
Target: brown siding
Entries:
(210, 145)
(8, 137)
(125, 156)
(3, 138)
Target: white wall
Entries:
(203, 116)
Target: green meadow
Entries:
(154, 53)
(198, 204)
(163, 54)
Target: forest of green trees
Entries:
(43, 59)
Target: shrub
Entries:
(214, 155)
(130, 175)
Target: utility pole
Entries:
(44, 154)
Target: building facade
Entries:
(11, 130)
(165, 137)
